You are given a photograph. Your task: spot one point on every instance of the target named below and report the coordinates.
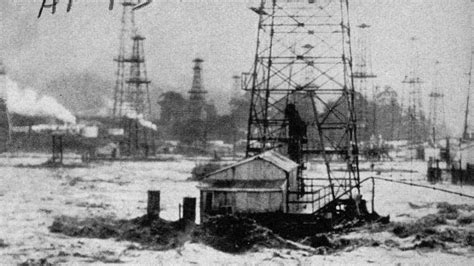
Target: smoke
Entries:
(128, 112)
(27, 102)
(141, 120)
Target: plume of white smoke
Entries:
(142, 121)
(27, 102)
(128, 112)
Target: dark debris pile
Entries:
(155, 234)
(236, 234)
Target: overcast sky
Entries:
(223, 33)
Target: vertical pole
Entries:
(287, 192)
(466, 113)
(153, 207)
(373, 194)
(61, 149)
(53, 143)
(189, 209)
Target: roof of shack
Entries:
(271, 156)
(242, 185)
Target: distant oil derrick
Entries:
(302, 92)
(5, 126)
(388, 98)
(197, 113)
(468, 110)
(363, 76)
(416, 122)
(236, 86)
(132, 107)
(437, 114)
(197, 99)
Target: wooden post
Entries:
(57, 148)
(373, 194)
(61, 149)
(153, 207)
(53, 150)
(189, 209)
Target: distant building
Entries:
(257, 184)
(466, 155)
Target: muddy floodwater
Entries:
(31, 198)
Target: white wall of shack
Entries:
(467, 156)
(249, 201)
(255, 201)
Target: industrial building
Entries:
(257, 184)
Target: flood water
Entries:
(31, 197)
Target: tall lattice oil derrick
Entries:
(132, 107)
(437, 114)
(139, 130)
(197, 113)
(416, 118)
(127, 30)
(468, 109)
(387, 99)
(363, 76)
(303, 117)
(5, 125)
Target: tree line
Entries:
(377, 116)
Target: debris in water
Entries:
(235, 234)
(465, 219)
(3, 244)
(449, 211)
(33, 262)
(158, 234)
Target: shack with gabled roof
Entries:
(258, 184)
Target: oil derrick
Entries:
(132, 107)
(300, 117)
(197, 115)
(363, 76)
(127, 31)
(388, 99)
(468, 112)
(416, 119)
(437, 115)
(236, 86)
(5, 129)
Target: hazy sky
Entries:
(223, 33)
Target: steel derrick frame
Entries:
(303, 56)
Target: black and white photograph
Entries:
(236, 132)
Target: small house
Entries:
(257, 184)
